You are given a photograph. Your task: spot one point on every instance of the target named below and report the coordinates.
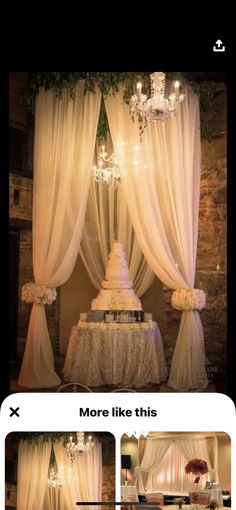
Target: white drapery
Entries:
(32, 474)
(65, 132)
(161, 182)
(106, 219)
(54, 499)
(216, 458)
(153, 454)
(171, 476)
(82, 479)
(164, 462)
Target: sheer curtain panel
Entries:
(161, 182)
(32, 473)
(107, 218)
(65, 132)
(82, 478)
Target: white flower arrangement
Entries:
(188, 299)
(40, 294)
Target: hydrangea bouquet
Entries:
(188, 299)
(40, 294)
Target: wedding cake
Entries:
(116, 292)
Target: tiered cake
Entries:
(116, 292)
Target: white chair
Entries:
(124, 390)
(74, 388)
(158, 498)
(199, 498)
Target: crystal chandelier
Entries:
(137, 435)
(80, 447)
(157, 107)
(54, 479)
(110, 174)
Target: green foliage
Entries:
(109, 82)
(208, 108)
(34, 436)
(103, 126)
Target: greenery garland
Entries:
(108, 83)
(54, 437)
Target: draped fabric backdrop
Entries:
(32, 474)
(170, 474)
(82, 479)
(154, 453)
(164, 461)
(106, 219)
(54, 499)
(65, 132)
(161, 183)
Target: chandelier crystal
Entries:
(54, 479)
(79, 448)
(107, 174)
(157, 107)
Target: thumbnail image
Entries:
(118, 231)
(176, 469)
(56, 470)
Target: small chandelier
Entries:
(80, 447)
(110, 174)
(157, 107)
(54, 479)
(137, 435)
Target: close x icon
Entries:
(14, 412)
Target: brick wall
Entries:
(20, 197)
(25, 275)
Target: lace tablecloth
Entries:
(127, 354)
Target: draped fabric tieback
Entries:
(188, 299)
(40, 294)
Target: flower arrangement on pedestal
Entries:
(197, 467)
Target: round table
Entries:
(114, 353)
(128, 493)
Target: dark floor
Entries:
(216, 385)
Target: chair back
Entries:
(199, 498)
(74, 388)
(124, 390)
(159, 498)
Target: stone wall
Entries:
(108, 484)
(20, 197)
(108, 469)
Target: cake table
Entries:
(115, 353)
